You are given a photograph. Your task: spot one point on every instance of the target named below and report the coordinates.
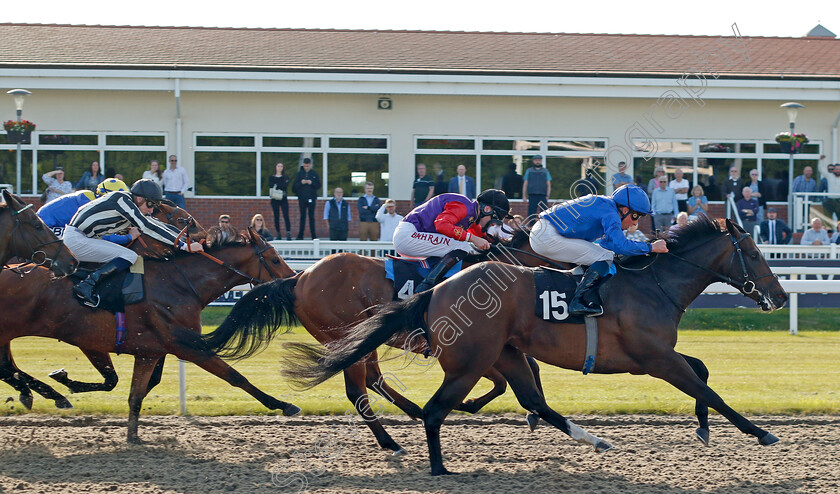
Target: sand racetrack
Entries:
(493, 454)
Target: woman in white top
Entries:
(154, 173)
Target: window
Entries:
(8, 168)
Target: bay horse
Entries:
(145, 246)
(25, 236)
(167, 321)
(328, 298)
(643, 305)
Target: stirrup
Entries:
(586, 309)
(89, 301)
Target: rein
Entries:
(35, 251)
(550, 262)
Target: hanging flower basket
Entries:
(791, 144)
(19, 137)
(19, 131)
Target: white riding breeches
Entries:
(409, 242)
(547, 241)
(87, 249)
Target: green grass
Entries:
(755, 371)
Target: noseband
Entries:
(36, 251)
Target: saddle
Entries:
(115, 292)
(407, 273)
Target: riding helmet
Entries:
(633, 197)
(147, 188)
(497, 200)
(110, 185)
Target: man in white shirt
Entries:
(816, 235)
(175, 182)
(388, 220)
(680, 186)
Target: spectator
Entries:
(278, 191)
(697, 204)
(824, 184)
(536, 187)
(258, 224)
(831, 204)
(621, 177)
(175, 182)
(774, 231)
(224, 221)
(748, 210)
(91, 178)
(734, 185)
(711, 189)
(154, 173)
(654, 182)
(664, 205)
(119, 177)
(804, 182)
(462, 184)
(441, 185)
(306, 186)
(759, 193)
(585, 186)
(633, 233)
(368, 206)
(423, 188)
(835, 237)
(337, 215)
(816, 235)
(512, 183)
(56, 185)
(682, 220)
(388, 219)
(681, 187)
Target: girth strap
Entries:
(591, 344)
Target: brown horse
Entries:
(167, 321)
(23, 235)
(643, 305)
(145, 246)
(327, 299)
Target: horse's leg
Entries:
(375, 381)
(473, 405)
(102, 362)
(701, 410)
(450, 394)
(674, 369)
(354, 386)
(143, 368)
(25, 384)
(157, 374)
(532, 418)
(513, 365)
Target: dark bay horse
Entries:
(167, 321)
(327, 299)
(23, 235)
(145, 246)
(643, 305)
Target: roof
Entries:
(413, 52)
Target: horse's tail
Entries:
(255, 320)
(308, 365)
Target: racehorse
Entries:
(25, 236)
(327, 299)
(147, 247)
(643, 305)
(167, 321)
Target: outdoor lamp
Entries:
(19, 94)
(792, 109)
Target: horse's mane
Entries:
(520, 237)
(681, 238)
(218, 238)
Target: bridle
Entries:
(37, 251)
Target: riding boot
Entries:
(436, 274)
(84, 290)
(585, 301)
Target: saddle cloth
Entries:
(406, 274)
(554, 291)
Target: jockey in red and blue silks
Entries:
(445, 226)
(566, 233)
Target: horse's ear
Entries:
(722, 224)
(5, 196)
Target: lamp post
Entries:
(792, 109)
(18, 94)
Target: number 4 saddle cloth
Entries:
(554, 291)
(408, 273)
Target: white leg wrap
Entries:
(581, 436)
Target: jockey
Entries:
(58, 212)
(445, 226)
(566, 231)
(110, 214)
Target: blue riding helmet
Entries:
(633, 197)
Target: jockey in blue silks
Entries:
(566, 233)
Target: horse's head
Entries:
(260, 261)
(27, 237)
(168, 212)
(275, 266)
(749, 268)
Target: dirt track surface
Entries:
(493, 454)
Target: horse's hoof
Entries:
(442, 471)
(533, 419)
(134, 440)
(400, 452)
(291, 410)
(59, 375)
(63, 403)
(768, 439)
(26, 400)
(602, 446)
(703, 435)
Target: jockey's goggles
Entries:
(635, 216)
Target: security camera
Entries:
(384, 103)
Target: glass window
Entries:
(135, 140)
(235, 141)
(132, 164)
(445, 143)
(291, 142)
(70, 140)
(567, 171)
(442, 167)
(291, 164)
(75, 163)
(351, 171)
(8, 170)
(586, 146)
(509, 144)
(493, 168)
(354, 142)
(664, 146)
(225, 174)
